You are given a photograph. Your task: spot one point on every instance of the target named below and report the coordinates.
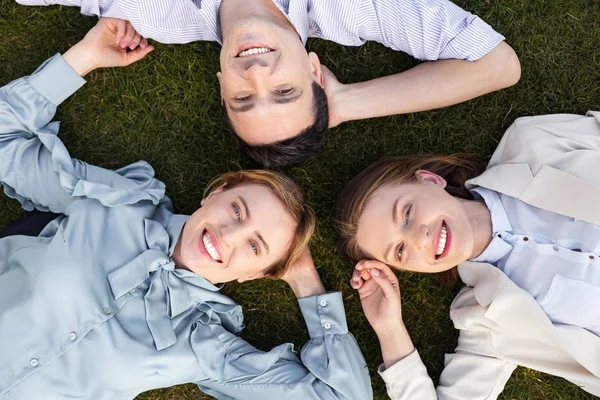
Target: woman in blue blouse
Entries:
(118, 295)
(525, 234)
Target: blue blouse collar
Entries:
(171, 291)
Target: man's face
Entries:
(266, 82)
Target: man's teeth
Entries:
(442, 242)
(257, 50)
(210, 248)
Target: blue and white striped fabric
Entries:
(425, 29)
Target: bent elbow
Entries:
(507, 66)
(512, 67)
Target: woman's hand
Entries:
(111, 43)
(380, 298)
(379, 294)
(303, 278)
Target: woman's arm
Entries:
(331, 365)
(35, 167)
(467, 374)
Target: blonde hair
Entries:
(290, 194)
(455, 169)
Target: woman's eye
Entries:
(407, 215)
(242, 99)
(237, 212)
(285, 91)
(400, 250)
(254, 247)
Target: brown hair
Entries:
(456, 169)
(290, 194)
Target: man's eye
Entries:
(284, 91)
(242, 99)
(254, 247)
(237, 212)
(407, 215)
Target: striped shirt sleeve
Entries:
(426, 29)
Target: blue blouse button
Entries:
(555, 248)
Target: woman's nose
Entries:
(230, 235)
(420, 236)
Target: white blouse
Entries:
(553, 257)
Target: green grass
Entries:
(165, 109)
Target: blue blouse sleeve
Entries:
(331, 366)
(35, 166)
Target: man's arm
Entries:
(427, 86)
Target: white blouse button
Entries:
(72, 336)
(132, 291)
(323, 303)
(327, 325)
(33, 362)
(106, 311)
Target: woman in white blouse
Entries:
(525, 235)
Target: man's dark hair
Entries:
(296, 149)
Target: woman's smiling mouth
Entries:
(443, 242)
(210, 248)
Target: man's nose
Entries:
(255, 69)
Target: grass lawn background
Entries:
(165, 109)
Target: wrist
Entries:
(343, 100)
(390, 329)
(80, 59)
(306, 284)
(395, 345)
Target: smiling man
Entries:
(280, 100)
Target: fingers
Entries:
(138, 54)
(389, 290)
(367, 265)
(137, 38)
(358, 278)
(130, 33)
(121, 26)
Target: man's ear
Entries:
(213, 194)
(427, 177)
(316, 70)
(252, 277)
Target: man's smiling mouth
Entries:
(254, 51)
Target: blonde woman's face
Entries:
(237, 234)
(416, 226)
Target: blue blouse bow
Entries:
(171, 291)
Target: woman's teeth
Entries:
(442, 242)
(210, 248)
(257, 50)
